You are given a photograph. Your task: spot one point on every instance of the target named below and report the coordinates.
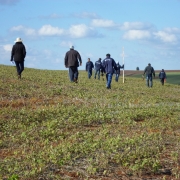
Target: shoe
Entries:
(75, 80)
(19, 76)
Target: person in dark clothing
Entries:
(149, 71)
(72, 61)
(117, 72)
(89, 67)
(109, 64)
(18, 54)
(98, 68)
(162, 76)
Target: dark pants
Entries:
(19, 67)
(162, 81)
(117, 77)
(89, 73)
(97, 72)
(149, 81)
(73, 73)
(108, 80)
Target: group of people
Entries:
(73, 60)
(107, 66)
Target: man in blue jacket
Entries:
(117, 72)
(98, 67)
(162, 76)
(89, 67)
(109, 65)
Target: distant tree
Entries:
(137, 69)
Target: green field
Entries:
(51, 129)
(172, 77)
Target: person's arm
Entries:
(24, 51)
(66, 60)
(80, 60)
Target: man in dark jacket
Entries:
(149, 71)
(117, 71)
(89, 67)
(72, 60)
(162, 76)
(98, 68)
(109, 65)
(18, 54)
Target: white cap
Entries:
(18, 39)
(71, 47)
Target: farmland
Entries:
(53, 129)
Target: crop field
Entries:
(173, 76)
(52, 129)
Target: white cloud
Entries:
(25, 30)
(81, 30)
(48, 30)
(135, 26)
(102, 23)
(165, 37)
(136, 34)
(7, 47)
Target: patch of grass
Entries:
(51, 128)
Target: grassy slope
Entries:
(51, 128)
(172, 77)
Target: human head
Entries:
(99, 59)
(18, 40)
(149, 64)
(162, 70)
(108, 55)
(88, 59)
(71, 47)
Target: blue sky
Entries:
(148, 30)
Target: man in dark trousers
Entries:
(109, 65)
(18, 54)
(72, 61)
(149, 71)
(89, 67)
(117, 72)
(98, 67)
(162, 76)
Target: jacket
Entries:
(89, 66)
(98, 65)
(71, 58)
(118, 68)
(149, 70)
(162, 75)
(18, 52)
(109, 65)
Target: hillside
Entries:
(53, 129)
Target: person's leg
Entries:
(17, 67)
(76, 74)
(162, 81)
(109, 76)
(21, 65)
(98, 74)
(151, 81)
(95, 74)
(90, 73)
(71, 74)
(147, 81)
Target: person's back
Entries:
(72, 57)
(162, 74)
(98, 64)
(18, 52)
(149, 70)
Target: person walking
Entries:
(18, 55)
(117, 72)
(98, 68)
(162, 76)
(72, 61)
(109, 64)
(89, 67)
(149, 71)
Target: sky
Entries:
(147, 31)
